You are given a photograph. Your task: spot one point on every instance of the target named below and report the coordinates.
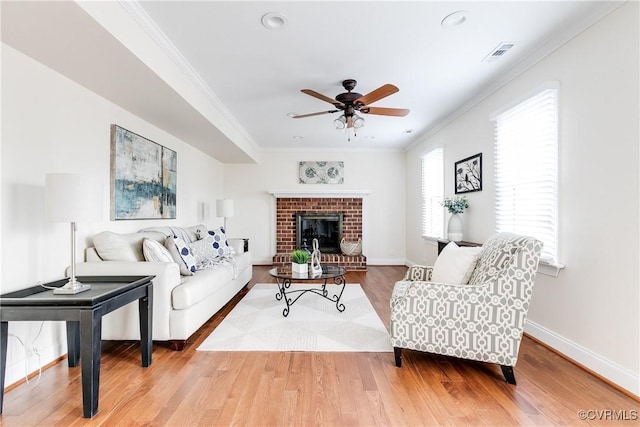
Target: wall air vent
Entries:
(498, 52)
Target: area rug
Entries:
(256, 323)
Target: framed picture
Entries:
(321, 172)
(143, 177)
(468, 174)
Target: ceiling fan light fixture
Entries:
(340, 123)
(274, 21)
(358, 121)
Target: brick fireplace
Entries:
(351, 209)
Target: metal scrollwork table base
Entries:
(331, 275)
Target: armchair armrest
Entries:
(420, 273)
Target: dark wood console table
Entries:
(83, 313)
(442, 243)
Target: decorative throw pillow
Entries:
(455, 264)
(155, 252)
(216, 238)
(497, 253)
(172, 246)
(185, 253)
(203, 251)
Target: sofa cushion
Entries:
(455, 264)
(197, 287)
(155, 252)
(171, 245)
(122, 247)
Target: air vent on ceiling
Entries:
(498, 52)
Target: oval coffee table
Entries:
(331, 274)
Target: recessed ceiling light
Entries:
(298, 137)
(274, 21)
(455, 19)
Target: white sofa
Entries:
(181, 303)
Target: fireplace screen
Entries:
(326, 227)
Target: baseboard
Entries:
(612, 372)
(15, 373)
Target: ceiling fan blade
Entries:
(382, 111)
(321, 96)
(300, 116)
(381, 92)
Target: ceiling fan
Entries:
(350, 102)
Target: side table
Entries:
(442, 243)
(83, 314)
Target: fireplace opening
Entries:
(326, 227)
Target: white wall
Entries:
(51, 124)
(591, 311)
(382, 172)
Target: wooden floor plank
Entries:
(301, 388)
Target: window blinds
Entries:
(432, 192)
(526, 150)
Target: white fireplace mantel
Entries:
(325, 193)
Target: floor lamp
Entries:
(224, 209)
(72, 198)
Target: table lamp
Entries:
(224, 209)
(72, 198)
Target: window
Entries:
(526, 165)
(432, 192)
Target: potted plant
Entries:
(299, 260)
(456, 206)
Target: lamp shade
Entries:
(73, 197)
(224, 208)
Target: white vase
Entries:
(454, 228)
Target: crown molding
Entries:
(143, 19)
(546, 49)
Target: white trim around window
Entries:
(526, 169)
(432, 194)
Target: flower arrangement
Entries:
(455, 205)
(299, 257)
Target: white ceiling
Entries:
(253, 75)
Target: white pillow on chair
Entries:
(455, 264)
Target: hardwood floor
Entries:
(295, 388)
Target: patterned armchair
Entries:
(483, 320)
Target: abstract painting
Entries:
(468, 174)
(321, 172)
(143, 177)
